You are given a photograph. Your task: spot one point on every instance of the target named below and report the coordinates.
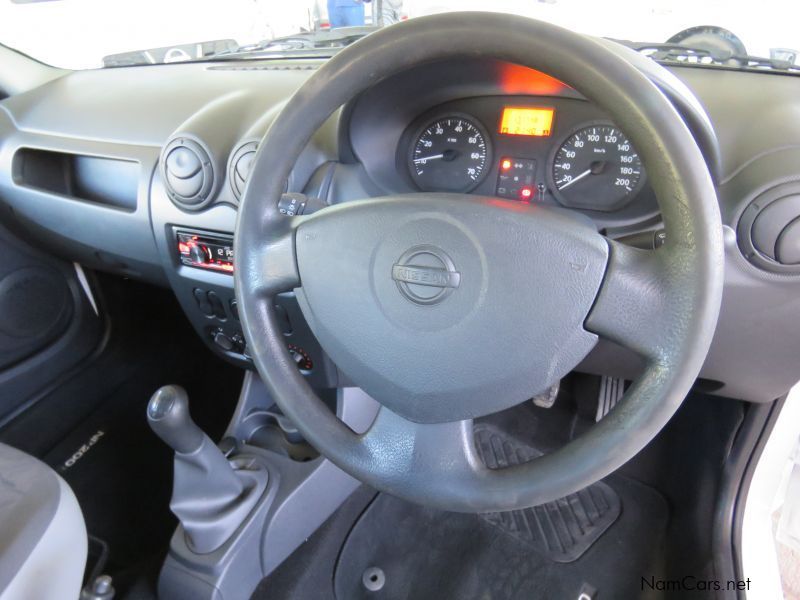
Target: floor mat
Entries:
(426, 553)
(118, 473)
(562, 530)
(121, 472)
(93, 430)
(308, 572)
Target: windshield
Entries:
(84, 34)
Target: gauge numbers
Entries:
(450, 154)
(597, 168)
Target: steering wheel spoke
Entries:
(633, 304)
(274, 262)
(426, 455)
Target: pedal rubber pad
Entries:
(562, 530)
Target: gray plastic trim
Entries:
(92, 234)
(20, 73)
(298, 499)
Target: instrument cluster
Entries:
(534, 149)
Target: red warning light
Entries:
(505, 165)
(526, 193)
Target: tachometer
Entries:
(450, 154)
(596, 168)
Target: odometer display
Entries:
(596, 168)
(450, 154)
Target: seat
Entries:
(43, 542)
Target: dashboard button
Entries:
(234, 306)
(201, 297)
(216, 306)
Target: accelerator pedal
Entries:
(611, 391)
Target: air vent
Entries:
(769, 230)
(240, 165)
(188, 173)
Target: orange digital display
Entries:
(525, 120)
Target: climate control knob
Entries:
(222, 340)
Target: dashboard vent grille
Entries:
(239, 167)
(769, 230)
(188, 173)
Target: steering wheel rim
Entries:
(663, 304)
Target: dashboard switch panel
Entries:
(515, 178)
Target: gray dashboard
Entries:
(82, 171)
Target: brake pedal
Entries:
(610, 392)
(547, 398)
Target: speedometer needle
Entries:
(576, 179)
(427, 158)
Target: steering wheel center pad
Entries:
(375, 277)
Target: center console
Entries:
(292, 488)
(245, 506)
(196, 249)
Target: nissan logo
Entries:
(425, 275)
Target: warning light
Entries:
(526, 193)
(183, 248)
(505, 165)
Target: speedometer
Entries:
(450, 154)
(596, 168)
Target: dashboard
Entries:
(138, 171)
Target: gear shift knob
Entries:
(168, 415)
(210, 496)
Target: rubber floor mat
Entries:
(426, 554)
(561, 530)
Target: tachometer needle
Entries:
(427, 158)
(576, 179)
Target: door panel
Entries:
(47, 323)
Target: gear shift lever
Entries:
(168, 414)
(209, 496)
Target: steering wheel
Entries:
(448, 307)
